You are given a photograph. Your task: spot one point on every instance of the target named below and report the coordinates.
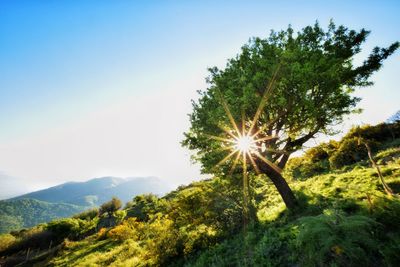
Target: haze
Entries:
(103, 88)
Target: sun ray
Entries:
(226, 158)
(266, 138)
(227, 131)
(243, 123)
(264, 99)
(253, 163)
(272, 165)
(220, 149)
(235, 163)
(259, 131)
(228, 112)
(218, 138)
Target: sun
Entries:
(245, 144)
(242, 144)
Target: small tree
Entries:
(311, 92)
(143, 206)
(110, 207)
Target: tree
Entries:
(310, 77)
(143, 206)
(110, 207)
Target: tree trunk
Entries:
(281, 185)
(388, 190)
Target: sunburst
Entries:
(244, 144)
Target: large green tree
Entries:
(303, 81)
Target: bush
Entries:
(333, 239)
(162, 240)
(300, 167)
(199, 237)
(6, 240)
(87, 214)
(349, 152)
(34, 238)
(142, 206)
(110, 207)
(71, 228)
(388, 155)
(127, 230)
(378, 133)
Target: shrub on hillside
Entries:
(162, 240)
(129, 229)
(142, 206)
(313, 162)
(34, 238)
(71, 228)
(350, 151)
(378, 133)
(217, 203)
(87, 214)
(6, 240)
(388, 155)
(110, 207)
(197, 238)
(333, 239)
(299, 167)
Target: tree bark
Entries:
(387, 188)
(281, 185)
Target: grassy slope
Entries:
(24, 213)
(338, 222)
(337, 196)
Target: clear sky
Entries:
(103, 88)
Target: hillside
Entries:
(24, 213)
(70, 198)
(344, 218)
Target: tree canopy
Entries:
(303, 83)
(111, 206)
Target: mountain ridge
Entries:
(95, 191)
(69, 198)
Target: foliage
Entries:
(284, 89)
(71, 228)
(216, 202)
(6, 240)
(333, 238)
(348, 151)
(20, 213)
(142, 206)
(87, 214)
(33, 238)
(344, 219)
(126, 230)
(110, 207)
(312, 90)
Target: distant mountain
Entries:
(99, 190)
(23, 213)
(70, 198)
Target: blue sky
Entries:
(92, 88)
